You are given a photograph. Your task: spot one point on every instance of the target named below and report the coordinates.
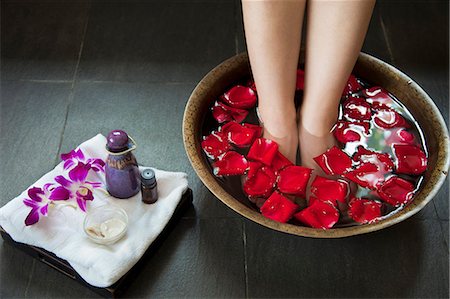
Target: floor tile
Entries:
(445, 231)
(200, 258)
(15, 271)
(441, 201)
(28, 141)
(152, 115)
(408, 260)
(46, 50)
(46, 282)
(157, 42)
(426, 53)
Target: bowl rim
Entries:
(192, 114)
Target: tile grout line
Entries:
(244, 242)
(72, 88)
(386, 39)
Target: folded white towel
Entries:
(62, 231)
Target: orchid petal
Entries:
(68, 164)
(68, 156)
(32, 217)
(79, 154)
(33, 193)
(31, 203)
(81, 203)
(79, 172)
(63, 181)
(44, 210)
(59, 193)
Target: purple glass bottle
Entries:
(121, 169)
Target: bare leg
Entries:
(335, 33)
(273, 33)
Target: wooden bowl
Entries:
(372, 69)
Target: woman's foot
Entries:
(282, 130)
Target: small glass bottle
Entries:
(149, 188)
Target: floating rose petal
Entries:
(260, 180)
(410, 159)
(346, 131)
(300, 79)
(320, 214)
(378, 97)
(396, 191)
(223, 113)
(215, 144)
(351, 86)
(257, 128)
(239, 135)
(389, 118)
(251, 83)
(334, 161)
(382, 160)
(231, 163)
(239, 96)
(278, 208)
(364, 210)
(329, 190)
(367, 175)
(263, 150)
(293, 180)
(280, 162)
(400, 136)
(357, 109)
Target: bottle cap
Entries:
(117, 141)
(148, 177)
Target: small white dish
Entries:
(106, 224)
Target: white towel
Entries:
(62, 231)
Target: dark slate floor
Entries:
(71, 69)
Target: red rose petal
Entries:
(382, 160)
(231, 163)
(410, 159)
(401, 136)
(366, 175)
(239, 96)
(263, 150)
(329, 190)
(279, 162)
(351, 86)
(357, 109)
(300, 79)
(278, 208)
(223, 113)
(364, 210)
(378, 97)
(215, 144)
(251, 83)
(346, 131)
(334, 161)
(293, 180)
(389, 118)
(396, 191)
(238, 134)
(320, 214)
(258, 129)
(260, 181)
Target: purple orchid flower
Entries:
(74, 156)
(40, 199)
(78, 188)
